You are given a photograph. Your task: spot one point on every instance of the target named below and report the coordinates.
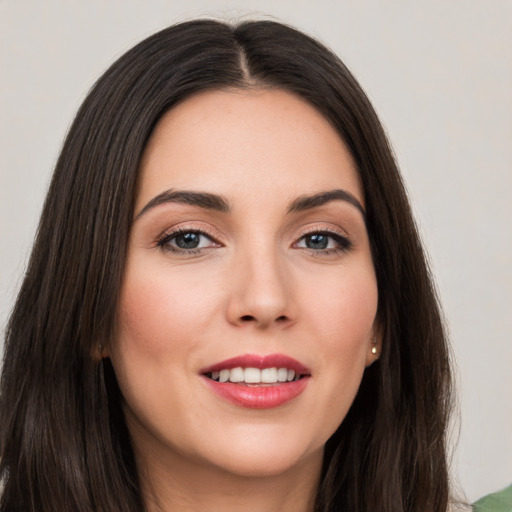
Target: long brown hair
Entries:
(64, 443)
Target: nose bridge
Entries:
(262, 293)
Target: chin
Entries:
(265, 456)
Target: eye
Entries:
(186, 241)
(324, 241)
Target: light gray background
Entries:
(440, 76)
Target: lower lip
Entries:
(258, 397)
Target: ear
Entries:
(374, 348)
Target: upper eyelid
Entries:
(176, 230)
(322, 229)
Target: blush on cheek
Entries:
(161, 313)
(344, 320)
(142, 313)
(349, 302)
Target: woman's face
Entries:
(248, 259)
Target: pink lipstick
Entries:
(257, 381)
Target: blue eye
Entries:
(317, 241)
(186, 241)
(324, 242)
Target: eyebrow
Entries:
(313, 201)
(201, 199)
(218, 203)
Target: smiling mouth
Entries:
(257, 381)
(255, 376)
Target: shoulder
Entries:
(497, 502)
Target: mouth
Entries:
(258, 382)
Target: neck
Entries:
(170, 485)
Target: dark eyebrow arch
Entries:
(201, 199)
(307, 202)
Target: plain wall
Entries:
(439, 74)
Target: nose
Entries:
(261, 291)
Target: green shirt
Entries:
(497, 502)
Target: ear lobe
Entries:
(374, 349)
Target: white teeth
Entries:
(252, 375)
(236, 375)
(282, 374)
(269, 375)
(255, 375)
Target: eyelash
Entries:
(164, 241)
(343, 242)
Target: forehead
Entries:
(253, 142)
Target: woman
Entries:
(227, 305)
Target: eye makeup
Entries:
(192, 240)
(323, 241)
(187, 240)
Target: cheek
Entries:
(344, 308)
(159, 306)
(342, 317)
(161, 319)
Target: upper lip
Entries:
(258, 361)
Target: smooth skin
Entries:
(243, 274)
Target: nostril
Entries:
(250, 318)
